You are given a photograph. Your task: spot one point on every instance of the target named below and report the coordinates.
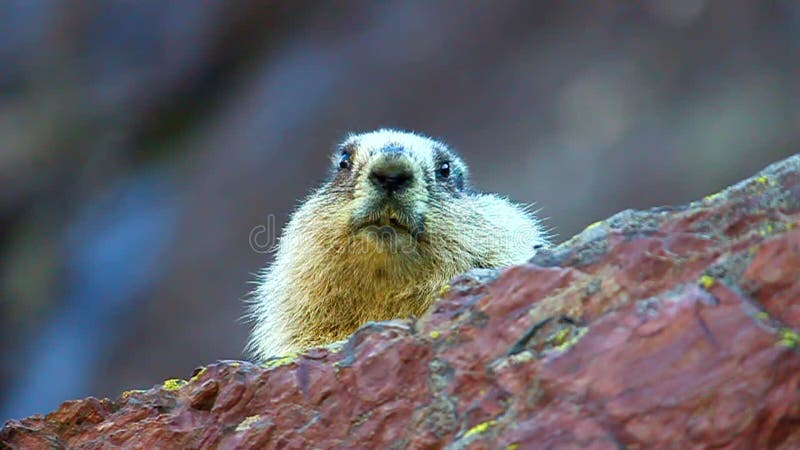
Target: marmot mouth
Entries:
(387, 223)
(396, 223)
(383, 223)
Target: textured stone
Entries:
(668, 328)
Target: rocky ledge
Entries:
(670, 328)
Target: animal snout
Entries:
(391, 179)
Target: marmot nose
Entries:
(391, 179)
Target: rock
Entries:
(668, 328)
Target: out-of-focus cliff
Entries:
(141, 144)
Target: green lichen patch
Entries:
(594, 225)
(279, 361)
(789, 338)
(558, 337)
(480, 428)
(173, 384)
(521, 357)
(706, 281)
(571, 338)
(335, 347)
(712, 197)
(197, 375)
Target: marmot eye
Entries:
(344, 161)
(444, 170)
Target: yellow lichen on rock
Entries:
(279, 361)
(579, 332)
(789, 338)
(173, 384)
(480, 428)
(707, 281)
(198, 374)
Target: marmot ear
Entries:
(336, 156)
(458, 180)
(464, 169)
(461, 179)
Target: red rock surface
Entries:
(669, 328)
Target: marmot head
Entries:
(389, 180)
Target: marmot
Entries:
(394, 222)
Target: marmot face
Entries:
(387, 181)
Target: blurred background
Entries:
(143, 142)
